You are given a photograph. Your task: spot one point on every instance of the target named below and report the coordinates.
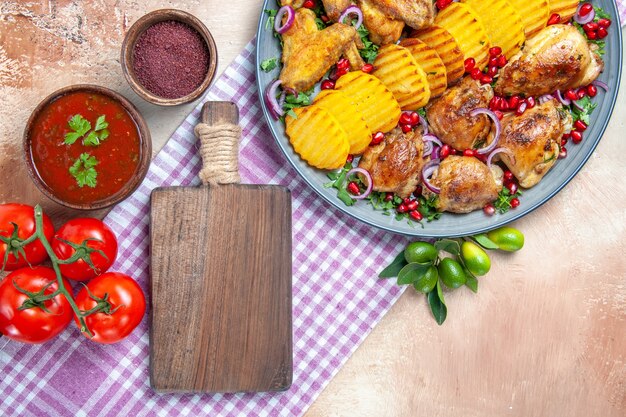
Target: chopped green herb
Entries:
(370, 50)
(293, 101)
(338, 181)
(269, 64)
(271, 15)
(503, 203)
(587, 108)
(428, 207)
(84, 170)
(80, 126)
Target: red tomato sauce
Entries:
(118, 155)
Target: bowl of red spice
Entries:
(169, 57)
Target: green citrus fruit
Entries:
(427, 282)
(451, 273)
(507, 238)
(421, 252)
(476, 259)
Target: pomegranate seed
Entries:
(592, 35)
(309, 4)
(416, 215)
(530, 101)
(418, 191)
(476, 74)
(566, 136)
(442, 4)
(493, 61)
(412, 205)
(580, 126)
(514, 101)
(406, 128)
(514, 202)
(563, 153)
(469, 63)
(495, 51)
(401, 208)
(554, 19)
(592, 90)
(498, 114)
(469, 152)
(367, 68)
(328, 85)
(486, 79)
(504, 105)
(563, 142)
(508, 176)
(341, 72)
(350, 158)
(492, 71)
(581, 93)
(415, 118)
(405, 118)
(591, 27)
(604, 23)
(406, 200)
(602, 33)
(445, 151)
(571, 95)
(377, 138)
(502, 61)
(512, 186)
(325, 18)
(353, 188)
(577, 136)
(585, 9)
(489, 209)
(388, 196)
(521, 109)
(494, 103)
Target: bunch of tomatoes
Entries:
(37, 302)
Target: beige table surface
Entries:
(545, 335)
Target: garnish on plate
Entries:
(83, 169)
(80, 126)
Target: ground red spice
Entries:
(170, 59)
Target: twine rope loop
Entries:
(219, 149)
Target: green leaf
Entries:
(71, 137)
(271, 14)
(83, 170)
(344, 196)
(91, 139)
(369, 52)
(449, 245)
(471, 282)
(269, 64)
(485, 242)
(101, 124)
(79, 124)
(412, 272)
(438, 304)
(394, 268)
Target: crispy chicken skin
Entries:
(466, 184)
(556, 58)
(534, 139)
(415, 13)
(308, 53)
(396, 163)
(449, 119)
(334, 8)
(383, 28)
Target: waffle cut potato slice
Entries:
(446, 47)
(375, 102)
(564, 8)
(317, 137)
(502, 22)
(534, 14)
(467, 28)
(347, 115)
(403, 76)
(430, 62)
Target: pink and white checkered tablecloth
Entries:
(337, 298)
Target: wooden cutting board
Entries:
(221, 284)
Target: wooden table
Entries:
(545, 335)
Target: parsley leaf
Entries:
(428, 207)
(83, 170)
(503, 203)
(587, 108)
(601, 14)
(338, 181)
(292, 101)
(271, 15)
(370, 50)
(79, 126)
(269, 64)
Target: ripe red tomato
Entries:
(77, 231)
(33, 325)
(127, 306)
(24, 217)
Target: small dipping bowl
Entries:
(123, 155)
(133, 35)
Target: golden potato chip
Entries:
(534, 14)
(317, 137)
(430, 62)
(502, 22)
(468, 30)
(375, 102)
(402, 75)
(564, 8)
(337, 104)
(448, 50)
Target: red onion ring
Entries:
(601, 84)
(352, 10)
(427, 171)
(500, 150)
(276, 109)
(545, 98)
(431, 138)
(581, 20)
(578, 106)
(370, 183)
(428, 148)
(564, 101)
(424, 124)
(435, 153)
(291, 15)
(497, 124)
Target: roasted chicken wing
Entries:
(556, 58)
(534, 139)
(334, 8)
(396, 163)
(383, 28)
(466, 184)
(415, 13)
(449, 119)
(308, 53)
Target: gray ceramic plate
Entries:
(455, 224)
